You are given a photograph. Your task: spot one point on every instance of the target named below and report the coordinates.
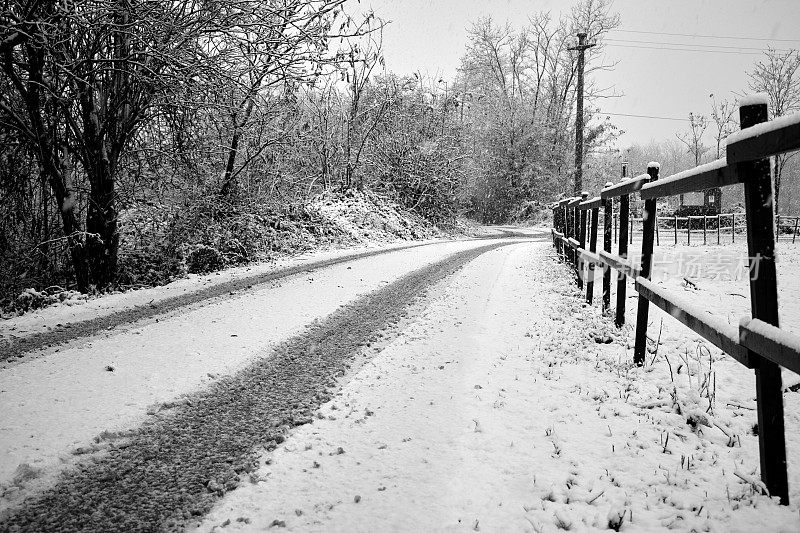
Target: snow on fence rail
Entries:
(758, 342)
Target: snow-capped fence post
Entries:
(760, 211)
(624, 218)
(570, 230)
(567, 227)
(648, 230)
(555, 228)
(574, 230)
(564, 247)
(608, 216)
(593, 249)
(719, 225)
(582, 238)
(576, 218)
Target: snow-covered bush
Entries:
(203, 259)
(31, 299)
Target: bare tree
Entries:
(778, 76)
(723, 114)
(365, 108)
(85, 76)
(285, 46)
(693, 139)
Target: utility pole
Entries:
(581, 48)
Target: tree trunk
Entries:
(56, 172)
(233, 149)
(102, 239)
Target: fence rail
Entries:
(758, 343)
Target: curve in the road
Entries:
(12, 348)
(174, 467)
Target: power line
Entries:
(683, 49)
(695, 45)
(711, 36)
(642, 116)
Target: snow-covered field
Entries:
(717, 277)
(498, 410)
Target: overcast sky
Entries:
(430, 35)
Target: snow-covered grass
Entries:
(717, 277)
(509, 405)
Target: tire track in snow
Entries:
(16, 347)
(173, 468)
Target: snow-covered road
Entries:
(59, 403)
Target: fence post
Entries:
(705, 230)
(593, 249)
(557, 227)
(630, 223)
(760, 210)
(624, 213)
(648, 226)
(616, 221)
(676, 230)
(562, 227)
(575, 232)
(778, 231)
(794, 235)
(733, 227)
(657, 239)
(608, 215)
(582, 238)
(719, 230)
(688, 230)
(567, 230)
(576, 220)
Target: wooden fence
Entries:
(757, 343)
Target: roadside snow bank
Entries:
(365, 216)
